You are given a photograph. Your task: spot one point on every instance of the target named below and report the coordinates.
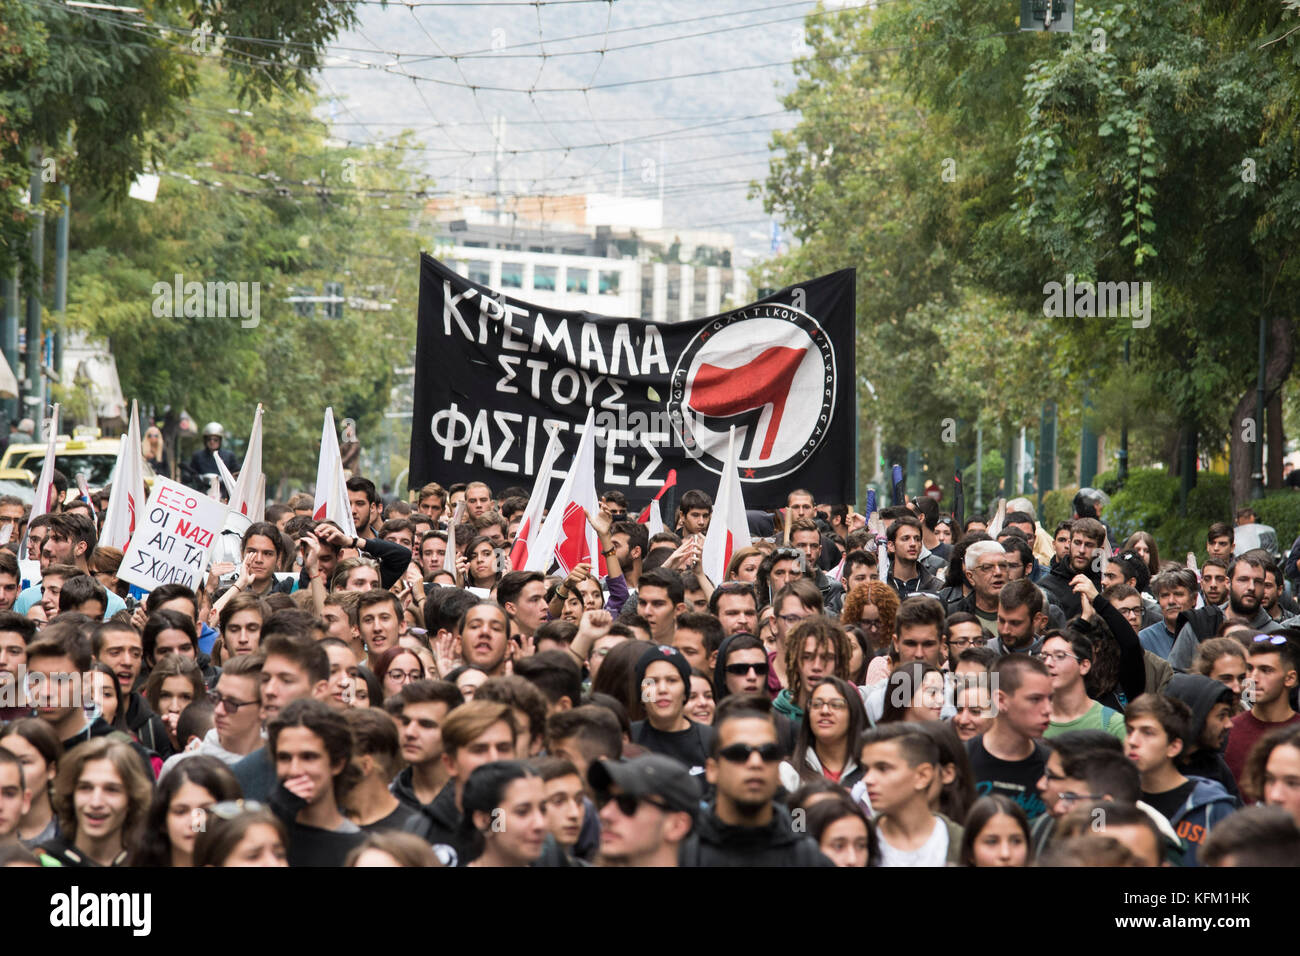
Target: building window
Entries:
(577, 281)
(480, 272)
(544, 278)
(609, 282)
(512, 275)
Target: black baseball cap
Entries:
(651, 775)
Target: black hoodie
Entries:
(1056, 583)
(148, 726)
(1201, 693)
(714, 843)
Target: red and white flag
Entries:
(653, 507)
(728, 528)
(127, 497)
(245, 499)
(531, 525)
(331, 487)
(566, 535)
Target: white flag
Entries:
(331, 487)
(655, 522)
(449, 559)
(530, 525)
(729, 528)
(45, 485)
(127, 497)
(244, 499)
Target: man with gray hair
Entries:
(987, 564)
(1175, 591)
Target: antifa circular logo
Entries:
(769, 371)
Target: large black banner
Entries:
(493, 374)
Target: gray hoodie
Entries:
(211, 746)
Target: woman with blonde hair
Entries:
(154, 451)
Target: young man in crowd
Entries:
(1214, 582)
(311, 746)
(1272, 666)
(294, 666)
(16, 633)
(376, 749)
(1213, 705)
(379, 621)
(906, 576)
(918, 636)
(1158, 731)
(1219, 540)
(899, 766)
(745, 826)
(735, 605)
(237, 719)
(661, 597)
(484, 637)
(693, 513)
(1009, 757)
(421, 708)
(807, 537)
(1021, 619)
(648, 807)
(475, 733)
(1245, 587)
(1086, 536)
(523, 595)
(1069, 659)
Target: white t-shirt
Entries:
(934, 852)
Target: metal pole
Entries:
(9, 344)
(1121, 468)
(61, 286)
(1088, 445)
(1257, 463)
(34, 392)
(979, 468)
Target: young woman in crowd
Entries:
(241, 833)
(872, 607)
(504, 821)
(178, 811)
(744, 565)
(174, 684)
(107, 694)
(367, 691)
(38, 749)
(996, 833)
(913, 694)
(843, 833)
(700, 705)
(478, 565)
(824, 748)
(953, 791)
(396, 668)
(1145, 546)
(101, 794)
(1272, 772)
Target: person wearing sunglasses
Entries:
(744, 826)
(742, 668)
(648, 806)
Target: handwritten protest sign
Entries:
(174, 542)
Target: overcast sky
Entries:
(564, 136)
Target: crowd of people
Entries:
(905, 688)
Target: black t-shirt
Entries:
(1016, 779)
(402, 818)
(691, 746)
(1169, 802)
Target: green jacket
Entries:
(784, 704)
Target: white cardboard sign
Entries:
(174, 542)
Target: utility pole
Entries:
(1257, 454)
(1121, 470)
(61, 283)
(35, 394)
